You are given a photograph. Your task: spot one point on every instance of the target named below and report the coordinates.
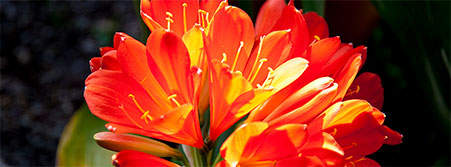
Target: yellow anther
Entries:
(202, 14)
(184, 17)
(351, 92)
(348, 158)
(334, 132)
(268, 81)
(145, 116)
(258, 69)
(257, 57)
(169, 14)
(237, 55)
(224, 58)
(317, 37)
(172, 98)
(145, 113)
(169, 22)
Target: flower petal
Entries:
(293, 20)
(130, 158)
(227, 21)
(268, 15)
(347, 75)
(233, 148)
(317, 26)
(169, 62)
(367, 86)
(227, 89)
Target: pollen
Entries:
(317, 37)
(224, 58)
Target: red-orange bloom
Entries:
(146, 90)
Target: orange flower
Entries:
(239, 80)
(146, 90)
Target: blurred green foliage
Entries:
(77, 146)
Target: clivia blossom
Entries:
(284, 88)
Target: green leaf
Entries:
(314, 6)
(77, 146)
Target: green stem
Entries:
(217, 159)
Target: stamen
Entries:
(350, 146)
(348, 158)
(172, 97)
(269, 78)
(237, 55)
(351, 92)
(202, 14)
(317, 37)
(224, 58)
(258, 69)
(169, 19)
(257, 57)
(145, 113)
(184, 16)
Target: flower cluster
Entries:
(284, 89)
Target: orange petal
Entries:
(360, 161)
(290, 137)
(392, 137)
(169, 62)
(347, 75)
(233, 148)
(309, 110)
(129, 158)
(154, 14)
(227, 21)
(229, 91)
(268, 15)
(295, 100)
(109, 61)
(367, 86)
(293, 20)
(317, 26)
(210, 6)
(94, 64)
(322, 51)
(193, 40)
(107, 94)
(323, 146)
(133, 61)
(275, 47)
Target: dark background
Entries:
(46, 45)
